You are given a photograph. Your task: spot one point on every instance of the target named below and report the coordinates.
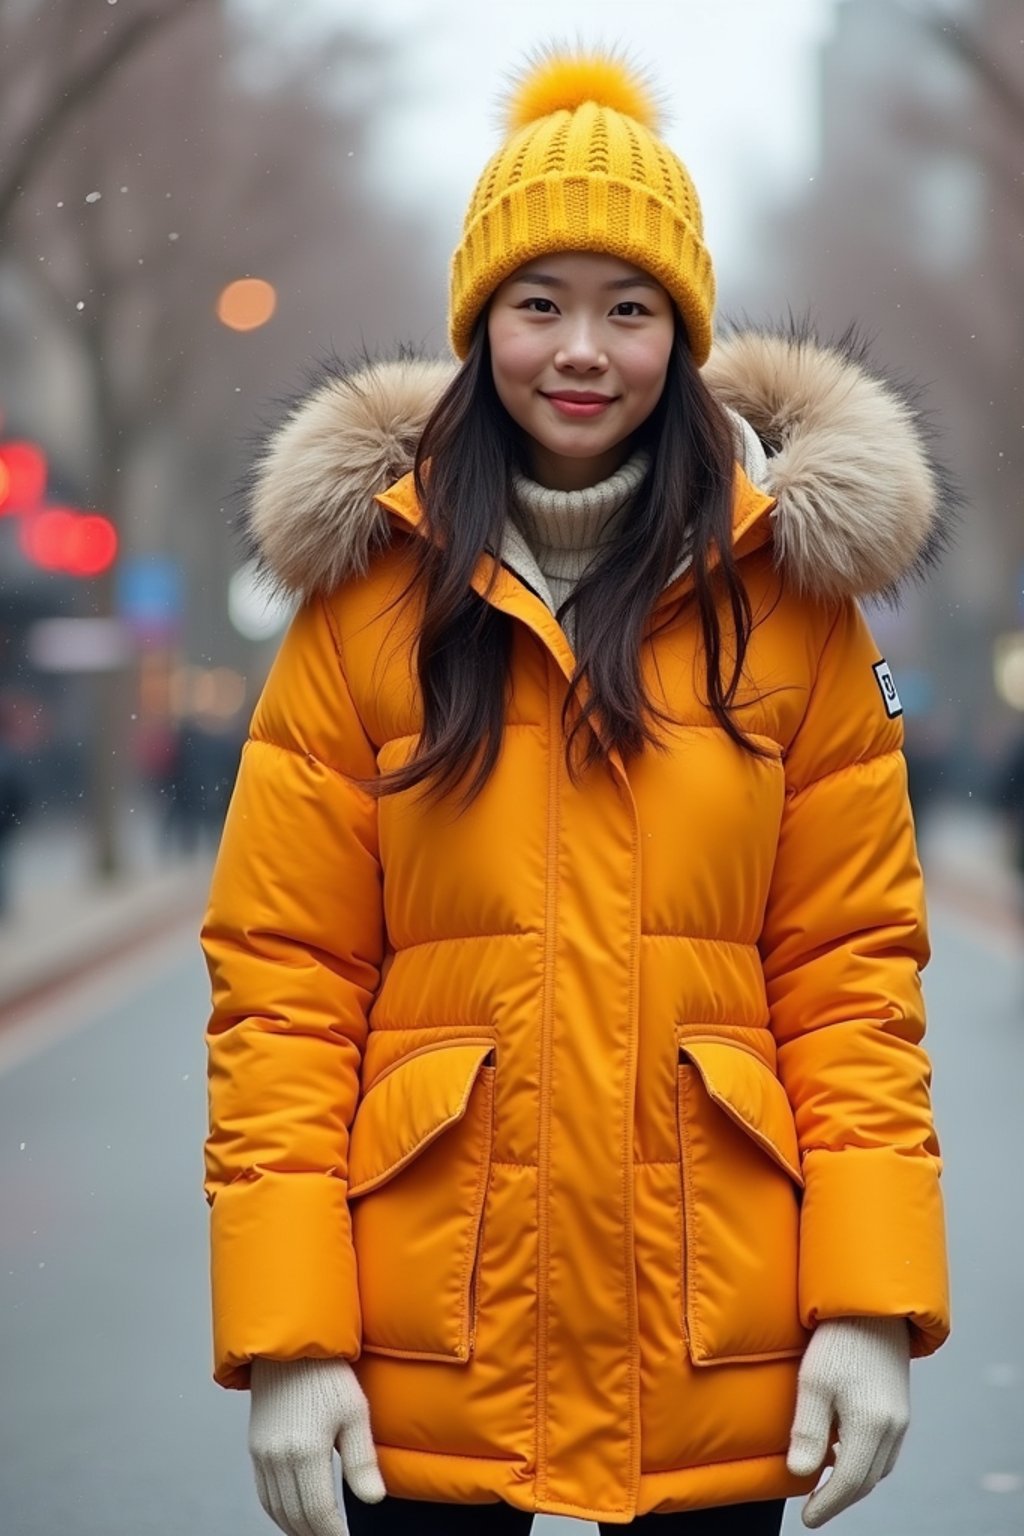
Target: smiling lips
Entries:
(579, 403)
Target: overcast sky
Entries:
(739, 78)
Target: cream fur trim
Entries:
(859, 498)
(862, 506)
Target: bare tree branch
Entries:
(1003, 87)
(77, 88)
(964, 45)
(996, 85)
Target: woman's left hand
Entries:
(855, 1370)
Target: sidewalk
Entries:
(968, 865)
(61, 925)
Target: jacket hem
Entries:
(453, 1478)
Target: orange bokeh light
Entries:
(246, 304)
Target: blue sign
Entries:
(151, 594)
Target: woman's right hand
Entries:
(300, 1411)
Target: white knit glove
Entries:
(857, 1370)
(299, 1412)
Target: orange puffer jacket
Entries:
(566, 1117)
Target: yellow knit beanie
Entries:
(583, 170)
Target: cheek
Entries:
(514, 357)
(643, 371)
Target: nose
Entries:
(581, 350)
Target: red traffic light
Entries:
(77, 544)
(93, 545)
(22, 476)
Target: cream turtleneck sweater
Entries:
(552, 536)
(565, 530)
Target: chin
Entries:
(575, 445)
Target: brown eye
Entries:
(549, 311)
(632, 304)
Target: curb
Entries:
(999, 914)
(97, 927)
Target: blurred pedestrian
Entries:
(1008, 798)
(15, 798)
(198, 781)
(570, 1145)
(929, 753)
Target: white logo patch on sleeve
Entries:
(890, 697)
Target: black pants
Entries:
(415, 1517)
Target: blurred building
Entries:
(911, 226)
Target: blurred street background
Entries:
(198, 200)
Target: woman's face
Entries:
(571, 325)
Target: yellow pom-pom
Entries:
(557, 80)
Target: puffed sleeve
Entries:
(293, 937)
(843, 945)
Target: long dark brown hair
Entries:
(467, 454)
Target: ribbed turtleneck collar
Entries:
(576, 520)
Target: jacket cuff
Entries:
(283, 1273)
(873, 1242)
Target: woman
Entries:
(571, 1147)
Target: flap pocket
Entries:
(748, 1091)
(419, 1168)
(741, 1184)
(408, 1106)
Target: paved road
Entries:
(109, 1423)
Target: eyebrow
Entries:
(545, 280)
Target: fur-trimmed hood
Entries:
(862, 507)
